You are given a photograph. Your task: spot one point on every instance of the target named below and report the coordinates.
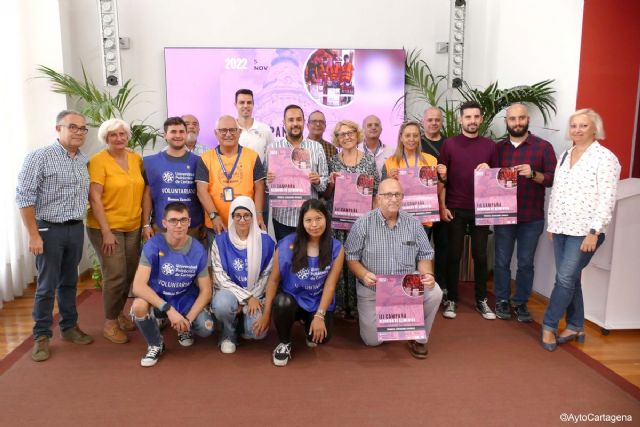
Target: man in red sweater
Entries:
(462, 155)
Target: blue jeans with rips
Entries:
(526, 235)
(566, 296)
(202, 326)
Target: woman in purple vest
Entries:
(306, 266)
(241, 259)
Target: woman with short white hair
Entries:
(114, 220)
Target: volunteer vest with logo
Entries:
(234, 260)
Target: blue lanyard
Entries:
(235, 165)
(375, 154)
(404, 155)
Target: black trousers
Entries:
(440, 246)
(286, 311)
(281, 231)
(464, 219)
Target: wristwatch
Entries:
(165, 307)
(213, 215)
(321, 311)
(533, 174)
(593, 231)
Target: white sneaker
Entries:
(282, 354)
(227, 346)
(449, 310)
(185, 339)
(483, 308)
(152, 355)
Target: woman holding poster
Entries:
(580, 209)
(346, 136)
(306, 266)
(409, 155)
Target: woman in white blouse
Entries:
(580, 208)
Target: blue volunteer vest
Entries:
(173, 180)
(306, 285)
(234, 260)
(173, 275)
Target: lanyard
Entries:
(404, 155)
(224, 170)
(375, 153)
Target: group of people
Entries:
(203, 214)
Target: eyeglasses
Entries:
(349, 134)
(75, 129)
(316, 220)
(245, 217)
(317, 122)
(230, 131)
(389, 196)
(181, 221)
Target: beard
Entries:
(520, 132)
(191, 138)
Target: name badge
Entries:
(228, 194)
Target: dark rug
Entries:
(478, 372)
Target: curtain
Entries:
(31, 31)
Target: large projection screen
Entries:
(342, 83)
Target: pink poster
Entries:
(496, 196)
(399, 307)
(351, 200)
(420, 188)
(291, 186)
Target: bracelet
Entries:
(259, 212)
(430, 274)
(146, 226)
(319, 316)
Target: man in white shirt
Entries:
(372, 144)
(255, 135)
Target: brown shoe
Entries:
(418, 350)
(114, 334)
(125, 323)
(76, 336)
(40, 351)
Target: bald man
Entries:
(535, 161)
(226, 172)
(372, 143)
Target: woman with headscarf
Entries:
(241, 259)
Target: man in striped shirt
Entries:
(389, 241)
(52, 195)
(286, 219)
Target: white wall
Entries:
(512, 41)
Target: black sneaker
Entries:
(503, 310)
(522, 313)
(483, 308)
(282, 354)
(445, 298)
(185, 339)
(152, 355)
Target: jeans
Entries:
(440, 244)
(225, 309)
(286, 311)
(456, 230)
(526, 235)
(57, 273)
(118, 268)
(566, 296)
(202, 326)
(367, 313)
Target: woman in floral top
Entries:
(580, 209)
(346, 136)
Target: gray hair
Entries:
(110, 126)
(64, 113)
(595, 119)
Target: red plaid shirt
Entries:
(539, 154)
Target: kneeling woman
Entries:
(241, 259)
(308, 264)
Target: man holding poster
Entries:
(462, 155)
(286, 218)
(534, 160)
(386, 242)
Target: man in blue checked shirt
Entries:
(52, 195)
